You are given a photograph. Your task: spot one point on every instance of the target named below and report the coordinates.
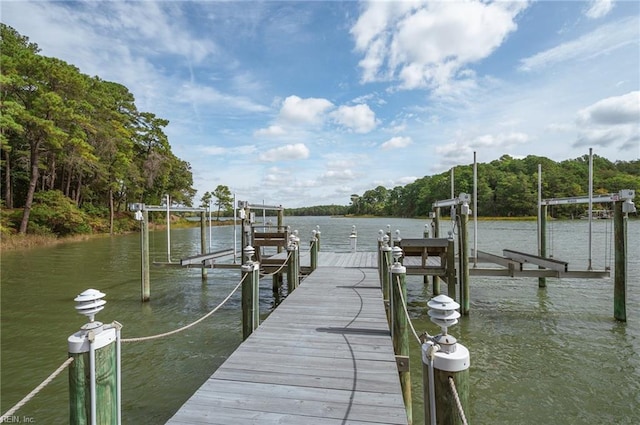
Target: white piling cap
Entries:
(90, 302)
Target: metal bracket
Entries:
(403, 363)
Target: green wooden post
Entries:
(464, 261)
(93, 374)
(203, 241)
(425, 235)
(451, 269)
(313, 260)
(620, 265)
(400, 333)
(444, 358)
(292, 268)
(542, 281)
(380, 244)
(445, 404)
(386, 270)
(250, 302)
(280, 225)
(318, 237)
(146, 278)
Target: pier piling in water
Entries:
(400, 328)
(94, 375)
(250, 294)
(445, 368)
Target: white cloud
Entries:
(462, 149)
(338, 176)
(222, 150)
(428, 44)
(271, 131)
(599, 8)
(397, 142)
(286, 153)
(296, 110)
(599, 42)
(614, 121)
(359, 118)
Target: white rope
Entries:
(146, 338)
(406, 312)
(281, 267)
(28, 397)
(452, 384)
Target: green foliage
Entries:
(82, 136)
(52, 210)
(319, 210)
(507, 187)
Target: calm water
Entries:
(538, 356)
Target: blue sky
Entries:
(304, 103)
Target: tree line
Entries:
(507, 187)
(76, 141)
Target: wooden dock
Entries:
(324, 356)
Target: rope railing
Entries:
(9, 414)
(454, 391)
(175, 331)
(279, 268)
(406, 312)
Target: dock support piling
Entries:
(318, 237)
(93, 375)
(400, 330)
(203, 241)
(313, 260)
(451, 268)
(145, 292)
(386, 262)
(250, 294)
(542, 281)
(444, 359)
(620, 278)
(292, 268)
(463, 254)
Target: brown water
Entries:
(538, 356)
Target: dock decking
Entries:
(324, 356)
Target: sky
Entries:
(304, 103)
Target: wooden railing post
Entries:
(386, 263)
(250, 294)
(445, 368)
(94, 386)
(400, 329)
(620, 263)
(313, 260)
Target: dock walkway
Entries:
(324, 356)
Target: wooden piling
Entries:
(620, 278)
(145, 291)
(104, 358)
(446, 407)
(400, 333)
(203, 241)
(463, 253)
(250, 298)
(313, 260)
(542, 281)
(292, 268)
(451, 270)
(385, 275)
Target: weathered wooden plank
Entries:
(323, 356)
